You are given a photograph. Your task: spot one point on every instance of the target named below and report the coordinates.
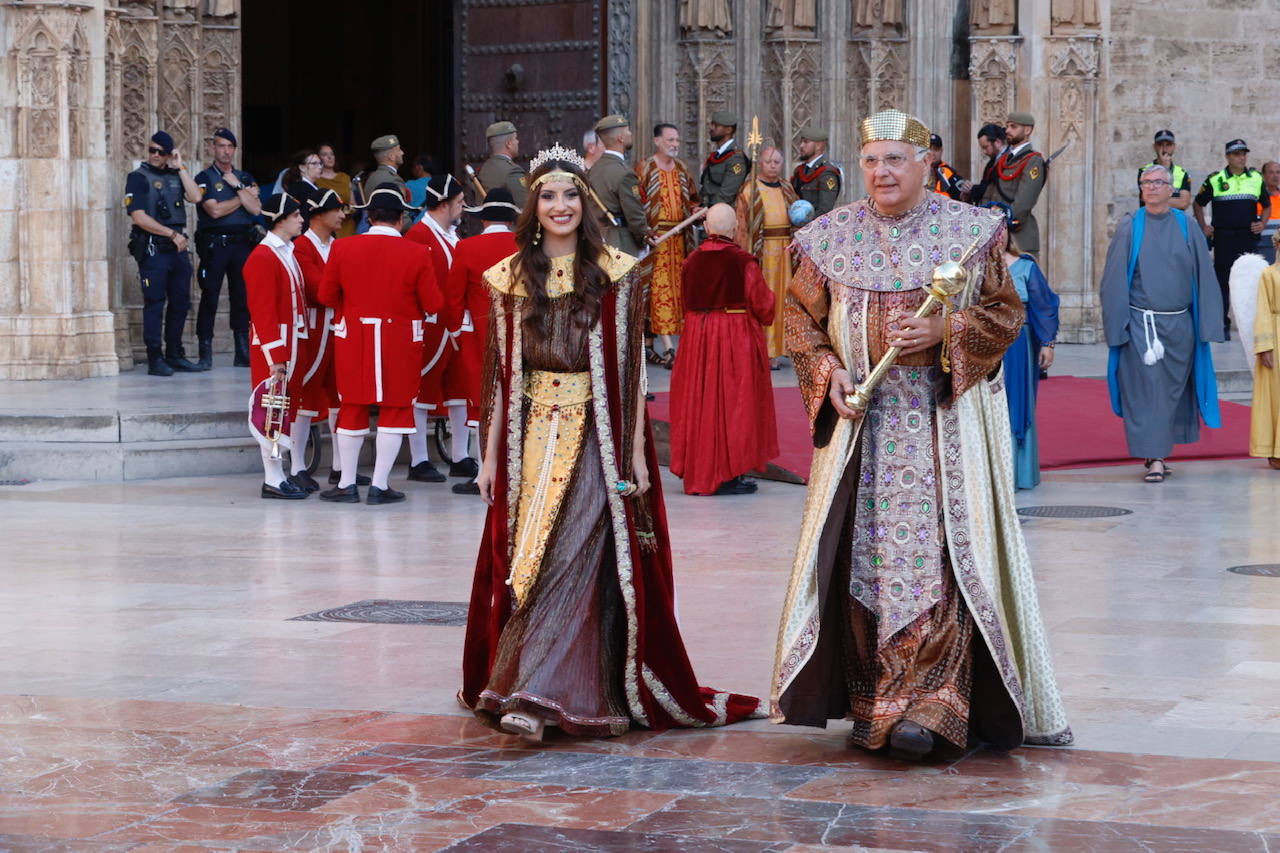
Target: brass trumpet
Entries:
(275, 407)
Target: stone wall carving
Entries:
(706, 82)
(791, 15)
(885, 66)
(993, 66)
(621, 56)
(137, 83)
(878, 13)
(792, 101)
(1069, 15)
(705, 17)
(52, 75)
(177, 92)
(219, 79)
(993, 17)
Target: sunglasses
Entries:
(156, 151)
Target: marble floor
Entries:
(157, 692)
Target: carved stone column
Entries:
(1067, 207)
(792, 65)
(993, 79)
(55, 320)
(706, 82)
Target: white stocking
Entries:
(334, 457)
(349, 449)
(272, 469)
(300, 434)
(418, 440)
(388, 447)
(459, 432)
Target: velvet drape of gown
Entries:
(341, 184)
(1264, 421)
(572, 609)
(765, 231)
(1022, 366)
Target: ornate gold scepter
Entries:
(949, 279)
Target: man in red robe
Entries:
(278, 329)
(722, 420)
(382, 285)
(441, 392)
(467, 296)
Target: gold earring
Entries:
(537, 237)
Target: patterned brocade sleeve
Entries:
(805, 317)
(981, 333)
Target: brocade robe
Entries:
(668, 196)
(764, 230)
(911, 596)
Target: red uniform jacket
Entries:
(274, 292)
(443, 382)
(383, 285)
(469, 296)
(319, 388)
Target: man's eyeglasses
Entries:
(893, 161)
(1153, 182)
(311, 163)
(156, 151)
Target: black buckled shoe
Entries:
(339, 495)
(305, 481)
(383, 496)
(910, 741)
(737, 486)
(286, 491)
(425, 472)
(471, 487)
(468, 468)
(335, 477)
(181, 364)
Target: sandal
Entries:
(527, 726)
(668, 359)
(1155, 476)
(651, 357)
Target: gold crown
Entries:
(893, 126)
(558, 152)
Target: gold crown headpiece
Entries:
(893, 126)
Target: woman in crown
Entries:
(572, 621)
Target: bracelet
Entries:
(1051, 344)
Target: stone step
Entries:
(131, 460)
(109, 426)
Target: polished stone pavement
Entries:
(158, 693)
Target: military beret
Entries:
(223, 133)
(384, 143)
(164, 140)
(727, 118)
(816, 134)
(499, 128)
(1023, 118)
(611, 122)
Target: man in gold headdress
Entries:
(911, 609)
(764, 230)
(669, 196)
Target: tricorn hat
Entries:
(279, 206)
(385, 198)
(499, 206)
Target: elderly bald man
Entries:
(911, 610)
(722, 418)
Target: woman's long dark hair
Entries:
(533, 266)
(294, 173)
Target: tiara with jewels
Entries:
(557, 152)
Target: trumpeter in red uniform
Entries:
(277, 329)
(324, 211)
(467, 296)
(722, 419)
(440, 393)
(381, 284)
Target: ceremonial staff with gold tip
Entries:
(754, 140)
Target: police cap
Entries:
(1164, 136)
(1237, 145)
(164, 140)
(935, 141)
(224, 133)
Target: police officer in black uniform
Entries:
(153, 196)
(225, 235)
(1237, 194)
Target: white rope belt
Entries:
(1155, 348)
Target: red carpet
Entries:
(1077, 428)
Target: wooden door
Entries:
(538, 63)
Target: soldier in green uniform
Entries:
(727, 166)
(1018, 178)
(1164, 147)
(389, 155)
(816, 180)
(501, 169)
(615, 183)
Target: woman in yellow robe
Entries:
(764, 230)
(1264, 428)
